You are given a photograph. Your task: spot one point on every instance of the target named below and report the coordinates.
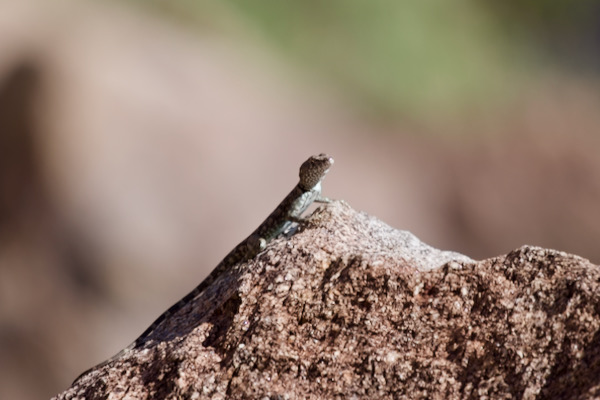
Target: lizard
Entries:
(307, 191)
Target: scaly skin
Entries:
(307, 191)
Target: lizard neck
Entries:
(292, 206)
(316, 187)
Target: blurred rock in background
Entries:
(140, 143)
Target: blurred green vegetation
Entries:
(567, 32)
(411, 58)
(408, 57)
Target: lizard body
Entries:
(307, 191)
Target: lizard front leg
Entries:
(322, 199)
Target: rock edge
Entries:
(349, 307)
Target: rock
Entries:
(349, 307)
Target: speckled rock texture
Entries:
(349, 307)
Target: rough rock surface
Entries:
(350, 308)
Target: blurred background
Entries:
(140, 141)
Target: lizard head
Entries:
(313, 170)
